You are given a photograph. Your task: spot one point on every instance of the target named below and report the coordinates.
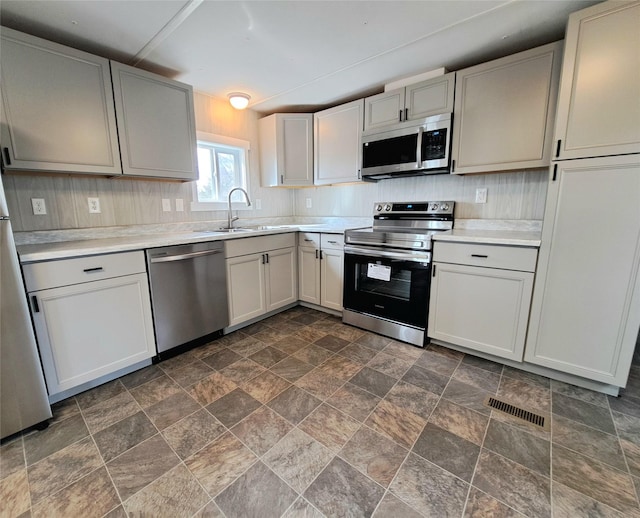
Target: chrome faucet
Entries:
(246, 196)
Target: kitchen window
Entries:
(222, 165)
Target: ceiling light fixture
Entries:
(239, 100)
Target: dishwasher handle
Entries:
(182, 257)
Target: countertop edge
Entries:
(31, 253)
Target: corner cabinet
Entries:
(504, 112)
(480, 297)
(336, 137)
(57, 108)
(64, 110)
(600, 117)
(286, 149)
(92, 316)
(261, 275)
(156, 124)
(320, 269)
(417, 101)
(586, 307)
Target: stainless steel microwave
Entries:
(416, 149)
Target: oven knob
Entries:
(434, 206)
(444, 207)
(387, 207)
(378, 208)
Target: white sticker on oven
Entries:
(379, 271)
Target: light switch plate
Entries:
(94, 205)
(39, 207)
(166, 205)
(258, 203)
(307, 202)
(481, 195)
(179, 205)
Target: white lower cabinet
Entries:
(92, 316)
(320, 274)
(261, 275)
(480, 297)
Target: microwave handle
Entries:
(419, 150)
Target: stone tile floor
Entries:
(302, 416)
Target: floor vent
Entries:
(520, 413)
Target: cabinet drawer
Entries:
(491, 256)
(309, 239)
(257, 245)
(52, 274)
(329, 241)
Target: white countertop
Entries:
(491, 237)
(64, 249)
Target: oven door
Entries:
(393, 285)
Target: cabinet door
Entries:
(92, 329)
(246, 288)
(286, 149)
(309, 274)
(384, 109)
(281, 278)
(598, 117)
(332, 266)
(57, 108)
(295, 149)
(586, 309)
(484, 309)
(336, 150)
(156, 124)
(431, 97)
(504, 112)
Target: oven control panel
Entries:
(414, 207)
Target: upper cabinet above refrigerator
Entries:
(599, 99)
(57, 108)
(58, 114)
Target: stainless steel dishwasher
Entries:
(188, 294)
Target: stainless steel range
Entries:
(387, 268)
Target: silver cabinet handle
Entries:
(182, 257)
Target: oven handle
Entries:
(424, 258)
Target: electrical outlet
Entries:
(166, 205)
(481, 195)
(307, 202)
(258, 203)
(94, 205)
(179, 205)
(39, 207)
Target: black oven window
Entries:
(397, 287)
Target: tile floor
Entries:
(302, 416)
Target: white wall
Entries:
(517, 195)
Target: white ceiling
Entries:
(294, 55)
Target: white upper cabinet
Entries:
(599, 100)
(57, 108)
(417, 101)
(286, 149)
(336, 150)
(156, 124)
(68, 111)
(504, 112)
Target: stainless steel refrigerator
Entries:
(23, 395)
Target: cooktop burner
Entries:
(404, 225)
